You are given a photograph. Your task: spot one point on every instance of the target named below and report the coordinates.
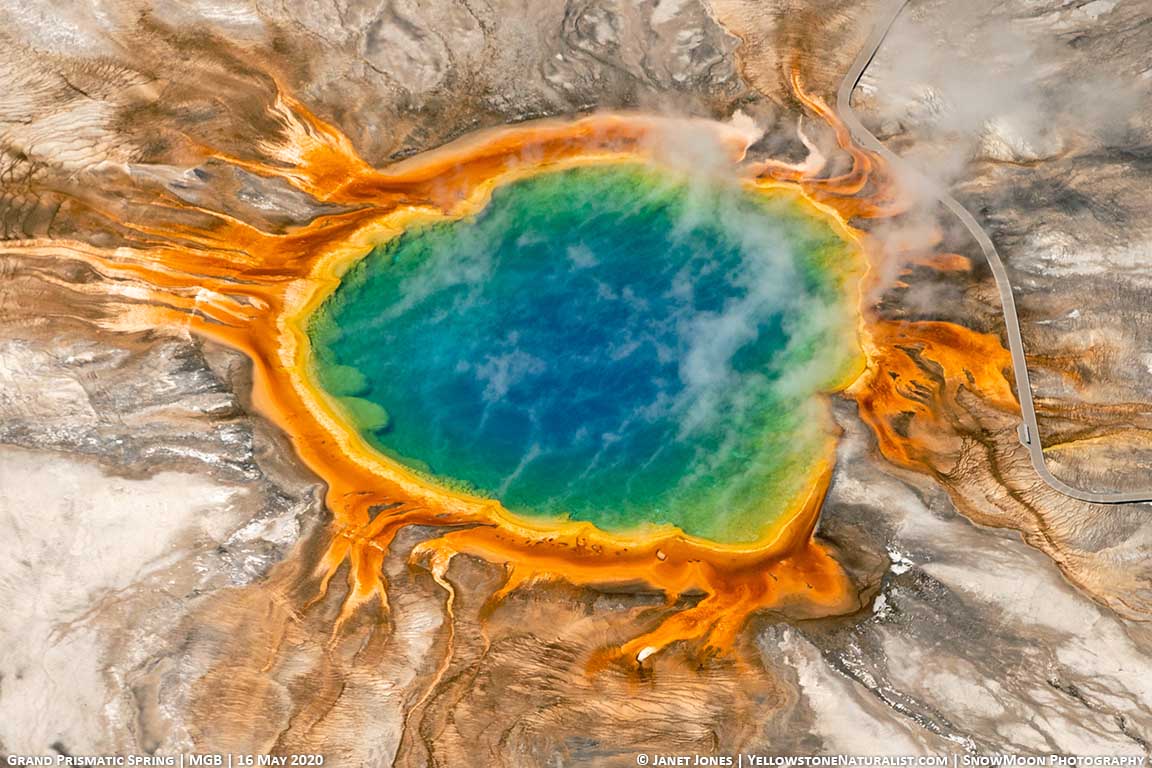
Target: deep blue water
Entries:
(614, 344)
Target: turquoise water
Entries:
(613, 344)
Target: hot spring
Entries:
(619, 344)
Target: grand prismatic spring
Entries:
(570, 349)
(615, 344)
(437, 383)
